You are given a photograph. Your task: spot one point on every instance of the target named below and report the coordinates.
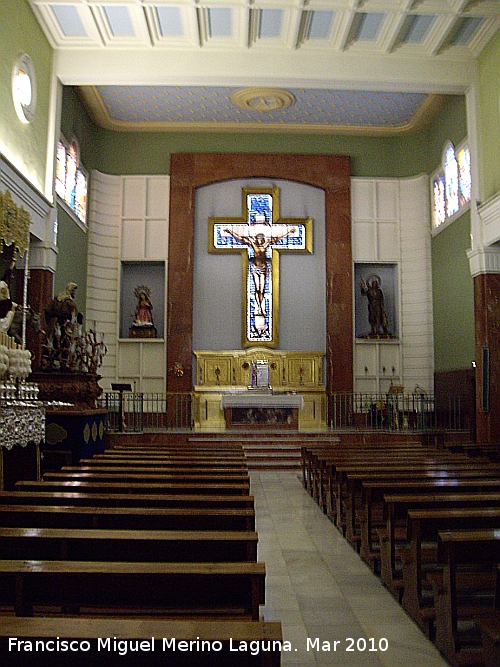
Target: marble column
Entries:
(485, 270)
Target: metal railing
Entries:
(138, 411)
(397, 412)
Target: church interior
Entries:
(250, 332)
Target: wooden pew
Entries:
(170, 488)
(349, 479)
(331, 471)
(373, 492)
(355, 482)
(130, 518)
(123, 499)
(460, 592)
(218, 449)
(140, 462)
(127, 545)
(212, 589)
(396, 531)
(319, 462)
(200, 457)
(151, 476)
(315, 459)
(263, 641)
(489, 626)
(421, 551)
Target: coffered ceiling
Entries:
(324, 65)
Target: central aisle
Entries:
(318, 587)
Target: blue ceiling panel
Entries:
(321, 24)
(69, 20)
(119, 20)
(193, 104)
(170, 21)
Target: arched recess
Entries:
(328, 172)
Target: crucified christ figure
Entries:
(259, 243)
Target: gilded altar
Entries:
(225, 372)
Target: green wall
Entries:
(144, 152)
(453, 290)
(489, 119)
(25, 145)
(453, 297)
(72, 241)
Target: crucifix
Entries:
(260, 235)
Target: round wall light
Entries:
(24, 88)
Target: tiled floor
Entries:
(320, 589)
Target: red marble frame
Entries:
(331, 173)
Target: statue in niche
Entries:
(377, 316)
(143, 326)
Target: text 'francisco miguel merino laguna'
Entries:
(124, 646)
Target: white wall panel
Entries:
(157, 197)
(133, 233)
(156, 239)
(128, 220)
(391, 225)
(362, 197)
(387, 200)
(134, 196)
(388, 241)
(363, 241)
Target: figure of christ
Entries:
(259, 244)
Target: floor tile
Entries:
(333, 609)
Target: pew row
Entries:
(131, 518)
(123, 499)
(171, 488)
(116, 588)
(131, 642)
(466, 587)
(127, 545)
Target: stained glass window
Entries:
(71, 179)
(439, 203)
(451, 187)
(451, 181)
(464, 177)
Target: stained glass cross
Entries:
(260, 235)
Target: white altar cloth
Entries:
(251, 399)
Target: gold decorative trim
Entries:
(97, 110)
(54, 434)
(14, 223)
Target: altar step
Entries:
(263, 452)
(271, 451)
(266, 455)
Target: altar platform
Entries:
(294, 397)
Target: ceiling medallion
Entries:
(263, 99)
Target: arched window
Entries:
(451, 185)
(451, 181)
(71, 179)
